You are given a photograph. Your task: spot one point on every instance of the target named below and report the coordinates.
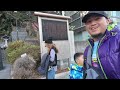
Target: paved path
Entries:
(63, 75)
(5, 72)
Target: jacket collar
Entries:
(106, 36)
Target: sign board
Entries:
(55, 29)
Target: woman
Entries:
(52, 51)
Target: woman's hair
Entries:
(55, 48)
(49, 42)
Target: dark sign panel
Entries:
(55, 29)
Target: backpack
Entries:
(43, 68)
(54, 63)
(90, 72)
(93, 73)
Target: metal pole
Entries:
(1, 58)
(17, 30)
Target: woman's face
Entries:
(48, 45)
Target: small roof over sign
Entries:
(51, 15)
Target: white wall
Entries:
(85, 35)
(72, 45)
(63, 47)
(78, 37)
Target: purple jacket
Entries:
(108, 53)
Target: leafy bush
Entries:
(17, 48)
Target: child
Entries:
(76, 70)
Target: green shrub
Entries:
(17, 48)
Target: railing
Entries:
(76, 19)
(1, 60)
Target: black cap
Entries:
(49, 40)
(94, 13)
(5, 37)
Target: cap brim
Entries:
(87, 16)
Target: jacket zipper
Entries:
(98, 56)
(99, 59)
